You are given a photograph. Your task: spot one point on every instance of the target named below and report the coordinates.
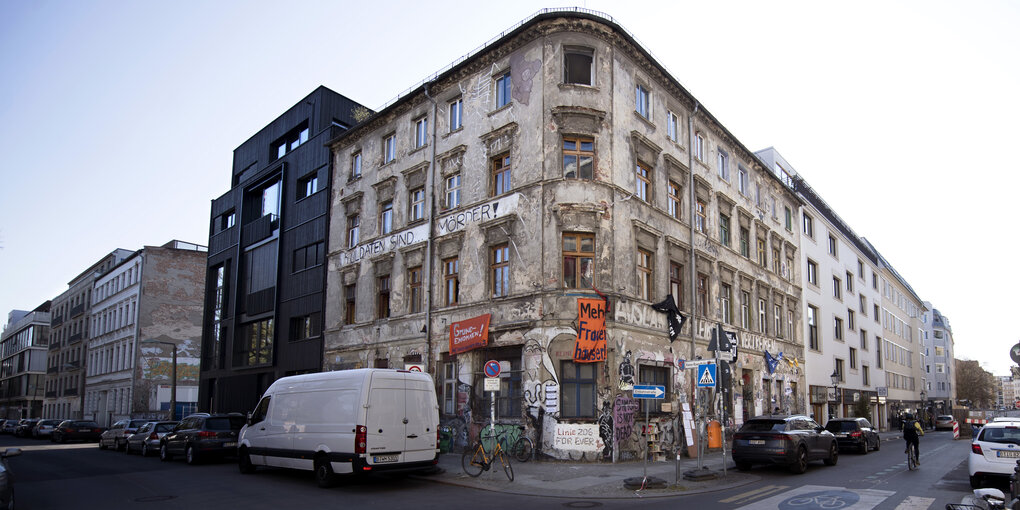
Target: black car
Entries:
(854, 434)
(24, 428)
(792, 441)
(76, 430)
(201, 436)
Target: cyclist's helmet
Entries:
(908, 416)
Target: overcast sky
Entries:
(118, 119)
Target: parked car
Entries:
(146, 439)
(9, 426)
(76, 430)
(116, 436)
(6, 482)
(44, 428)
(994, 452)
(854, 434)
(201, 436)
(24, 428)
(792, 441)
(944, 422)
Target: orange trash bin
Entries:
(714, 434)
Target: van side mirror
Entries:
(249, 419)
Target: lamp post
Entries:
(173, 377)
(835, 393)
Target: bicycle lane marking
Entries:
(745, 497)
(820, 497)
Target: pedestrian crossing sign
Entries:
(706, 376)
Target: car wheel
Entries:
(865, 447)
(975, 482)
(101, 445)
(164, 454)
(799, 462)
(190, 455)
(145, 449)
(324, 473)
(743, 466)
(244, 462)
(878, 444)
(120, 446)
(833, 455)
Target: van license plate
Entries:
(379, 459)
(1009, 454)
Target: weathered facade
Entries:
(69, 336)
(560, 163)
(143, 310)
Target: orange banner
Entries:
(591, 331)
(469, 334)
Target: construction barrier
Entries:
(956, 430)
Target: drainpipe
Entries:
(694, 274)
(427, 277)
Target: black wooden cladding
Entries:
(303, 221)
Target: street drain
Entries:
(153, 499)
(582, 504)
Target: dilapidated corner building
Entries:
(561, 162)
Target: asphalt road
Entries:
(81, 477)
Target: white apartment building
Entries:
(842, 335)
(939, 365)
(902, 336)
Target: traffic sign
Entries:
(492, 368)
(706, 376)
(1015, 353)
(649, 391)
(698, 362)
(492, 384)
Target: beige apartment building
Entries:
(553, 185)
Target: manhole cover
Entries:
(582, 504)
(153, 499)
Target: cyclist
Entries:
(911, 433)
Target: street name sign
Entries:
(649, 391)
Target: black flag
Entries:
(674, 318)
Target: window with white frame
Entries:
(421, 132)
(642, 101)
(578, 65)
(699, 147)
(725, 297)
(643, 180)
(456, 114)
(417, 206)
(672, 126)
(742, 180)
(389, 148)
(763, 319)
(356, 165)
(777, 320)
(453, 191)
(723, 162)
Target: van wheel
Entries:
(244, 462)
(324, 475)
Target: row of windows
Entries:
(117, 283)
(110, 358)
(113, 318)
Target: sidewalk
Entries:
(590, 480)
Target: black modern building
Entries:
(265, 289)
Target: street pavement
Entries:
(602, 480)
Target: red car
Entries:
(76, 430)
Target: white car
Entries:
(994, 452)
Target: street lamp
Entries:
(835, 392)
(173, 378)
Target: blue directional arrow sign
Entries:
(649, 391)
(706, 376)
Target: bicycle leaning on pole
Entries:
(476, 459)
(520, 448)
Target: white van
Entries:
(347, 421)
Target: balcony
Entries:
(55, 345)
(259, 229)
(221, 241)
(52, 370)
(71, 392)
(77, 310)
(51, 394)
(73, 339)
(260, 301)
(56, 321)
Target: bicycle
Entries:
(911, 457)
(475, 460)
(522, 447)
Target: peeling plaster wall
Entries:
(539, 315)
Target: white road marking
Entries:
(862, 499)
(915, 503)
(749, 495)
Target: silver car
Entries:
(6, 484)
(146, 439)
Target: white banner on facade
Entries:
(582, 437)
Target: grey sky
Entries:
(118, 119)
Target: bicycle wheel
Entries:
(473, 460)
(911, 462)
(523, 449)
(507, 468)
